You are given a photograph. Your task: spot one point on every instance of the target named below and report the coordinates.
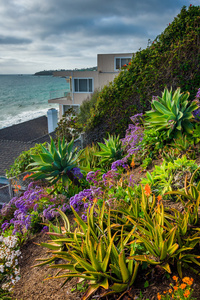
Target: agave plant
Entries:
(191, 191)
(159, 241)
(95, 252)
(172, 113)
(87, 160)
(55, 164)
(111, 150)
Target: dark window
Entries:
(83, 85)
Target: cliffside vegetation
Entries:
(172, 60)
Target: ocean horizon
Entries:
(25, 96)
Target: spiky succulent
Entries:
(110, 151)
(54, 163)
(172, 112)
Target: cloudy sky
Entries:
(40, 35)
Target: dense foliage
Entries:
(86, 107)
(172, 60)
(22, 162)
(68, 127)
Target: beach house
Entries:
(82, 84)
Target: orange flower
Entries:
(132, 163)
(95, 200)
(159, 198)
(26, 176)
(158, 296)
(188, 280)
(186, 294)
(170, 291)
(175, 288)
(147, 190)
(175, 278)
(182, 286)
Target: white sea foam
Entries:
(23, 117)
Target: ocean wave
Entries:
(22, 117)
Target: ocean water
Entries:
(25, 97)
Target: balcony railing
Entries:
(60, 94)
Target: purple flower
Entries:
(5, 225)
(45, 229)
(77, 173)
(131, 181)
(134, 135)
(198, 94)
(119, 163)
(92, 177)
(196, 114)
(36, 207)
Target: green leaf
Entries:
(123, 268)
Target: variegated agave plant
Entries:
(172, 112)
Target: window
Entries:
(121, 61)
(83, 85)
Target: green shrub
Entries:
(22, 162)
(170, 175)
(68, 127)
(86, 107)
(173, 57)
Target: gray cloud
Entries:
(10, 40)
(53, 34)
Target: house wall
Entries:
(106, 62)
(105, 73)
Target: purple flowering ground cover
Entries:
(30, 209)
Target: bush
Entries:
(86, 107)
(22, 162)
(68, 126)
(173, 57)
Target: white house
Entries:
(83, 83)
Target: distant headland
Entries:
(50, 72)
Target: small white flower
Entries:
(1, 268)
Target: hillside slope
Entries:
(172, 60)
